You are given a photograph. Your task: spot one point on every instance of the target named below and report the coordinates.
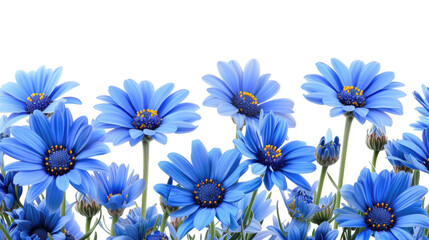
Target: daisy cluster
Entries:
(206, 196)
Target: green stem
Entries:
(145, 175)
(112, 227)
(164, 221)
(212, 230)
(63, 205)
(5, 232)
(2, 165)
(320, 187)
(347, 127)
(374, 160)
(88, 225)
(249, 208)
(416, 178)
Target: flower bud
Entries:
(327, 213)
(328, 151)
(376, 138)
(86, 206)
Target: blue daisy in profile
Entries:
(243, 94)
(423, 121)
(396, 157)
(209, 187)
(265, 145)
(140, 112)
(134, 227)
(53, 153)
(35, 90)
(8, 193)
(384, 205)
(116, 190)
(415, 150)
(359, 90)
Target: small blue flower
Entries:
(134, 227)
(423, 123)
(35, 90)
(208, 187)
(395, 156)
(243, 94)
(54, 152)
(269, 156)
(7, 191)
(328, 150)
(157, 235)
(384, 205)
(358, 90)
(115, 189)
(416, 151)
(295, 230)
(140, 112)
(324, 232)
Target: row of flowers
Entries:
(54, 150)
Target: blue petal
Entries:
(200, 159)
(203, 217)
(229, 76)
(160, 95)
(54, 197)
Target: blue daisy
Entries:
(8, 194)
(134, 227)
(384, 205)
(140, 112)
(53, 152)
(423, 122)
(116, 190)
(416, 151)
(243, 94)
(358, 90)
(35, 90)
(209, 186)
(395, 156)
(269, 156)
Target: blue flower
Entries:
(157, 235)
(295, 230)
(7, 191)
(416, 151)
(208, 186)
(324, 232)
(54, 152)
(35, 90)
(5, 124)
(35, 222)
(115, 189)
(328, 150)
(423, 123)
(383, 204)
(243, 94)
(140, 112)
(134, 227)
(395, 156)
(264, 145)
(357, 90)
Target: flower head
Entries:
(208, 187)
(140, 112)
(157, 235)
(396, 157)
(243, 94)
(383, 204)
(326, 207)
(116, 190)
(324, 232)
(269, 156)
(35, 90)
(423, 122)
(358, 90)
(86, 206)
(8, 193)
(416, 151)
(376, 138)
(54, 152)
(328, 151)
(134, 227)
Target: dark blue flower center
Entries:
(380, 217)
(352, 96)
(147, 119)
(209, 194)
(246, 104)
(59, 160)
(37, 101)
(157, 236)
(41, 233)
(272, 157)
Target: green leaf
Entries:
(333, 182)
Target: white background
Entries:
(102, 43)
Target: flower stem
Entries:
(5, 232)
(374, 160)
(416, 178)
(320, 187)
(249, 208)
(145, 175)
(88, 225)
(112, 227)
(63, 209)
(347, 127)
(164, 221)
(2, 166)
(212, 230)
